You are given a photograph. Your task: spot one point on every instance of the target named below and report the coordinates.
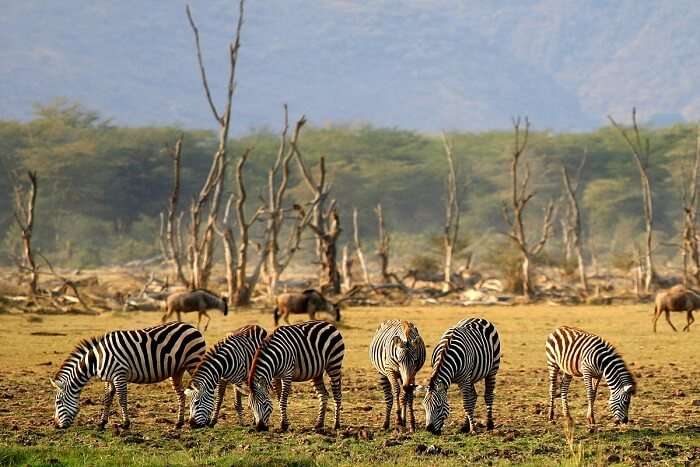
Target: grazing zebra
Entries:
(309, 301)
(227, 362)
(141, 356)
(199, 300)
(299, 352)
(466, 353)
(575, 352)
(398, 353)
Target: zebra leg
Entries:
(286, 389)
(277, 386)
(336, 388)
(323, 401)
(396, 396)
(553, 373)
(469, 401)
(220, 392)
(120, 387)
(565, 382)
(176, 381)
(388, 400)
(668, 318)
(406, 402)
(590, 394)
(106, 403)
(489, 390)
(239, 406)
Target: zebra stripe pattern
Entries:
(227, 362)
(397, 352)
(299, 352)
(575, 352)
(466, 354)
(141, 356)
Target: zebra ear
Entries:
(398, 342)
(243, 390)
(189, 392)
(628, 388)
(420, 389)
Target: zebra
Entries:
(298, 352)
(199, 300)
(227, 362)
(143, 356)
(466, 353)
(575, 352)
(397, 352)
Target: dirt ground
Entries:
(665, 413)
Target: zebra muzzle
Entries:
(261, 427)
(195, 424)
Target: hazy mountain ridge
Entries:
(426, 65)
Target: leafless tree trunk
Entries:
(514, 214)
(325, 224)
(451, 229)
(358, 246)
(277, 181)
(244, 284)
(229, 241)
(170, 239)
(347, 262)
(25, 201)
(640, 152)
(689, 248)
(200, 248)
(574, 222)
(383, 245)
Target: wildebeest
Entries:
(677, 298)
(199, 300)
(309, 301)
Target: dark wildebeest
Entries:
(677, 298)
(309, 301)
(199, 300)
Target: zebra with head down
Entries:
(466, 354)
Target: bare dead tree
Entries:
(641, 152)
(277, 182)
(170, 235)
(325, 224)
(689, 247)
(229, 241)
(451, 228)
(358, 246)
(573, 223)
(200, 246)
(25, 202)
(347, 262)
(521, 195)
(383, 246)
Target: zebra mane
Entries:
(441, 359)
(83, 347)
(254, 365)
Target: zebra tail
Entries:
(276, 315)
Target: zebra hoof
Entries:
(489, 425)
(179, 424)
(284, 427)
(466, 428)
(125, 425)
(386, 425)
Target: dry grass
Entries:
(665, 427)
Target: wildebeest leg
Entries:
(657, 315)
(690, 319)
(286, 316)
(206, 326)
(176, 381)
(668, 318)
(179, 315)
(166, 315)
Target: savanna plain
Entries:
(665, 413)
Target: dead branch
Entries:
(383, 246)
(641, 153)
(358, 246)
(24, 216)
(451, 229)
(574, 222)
